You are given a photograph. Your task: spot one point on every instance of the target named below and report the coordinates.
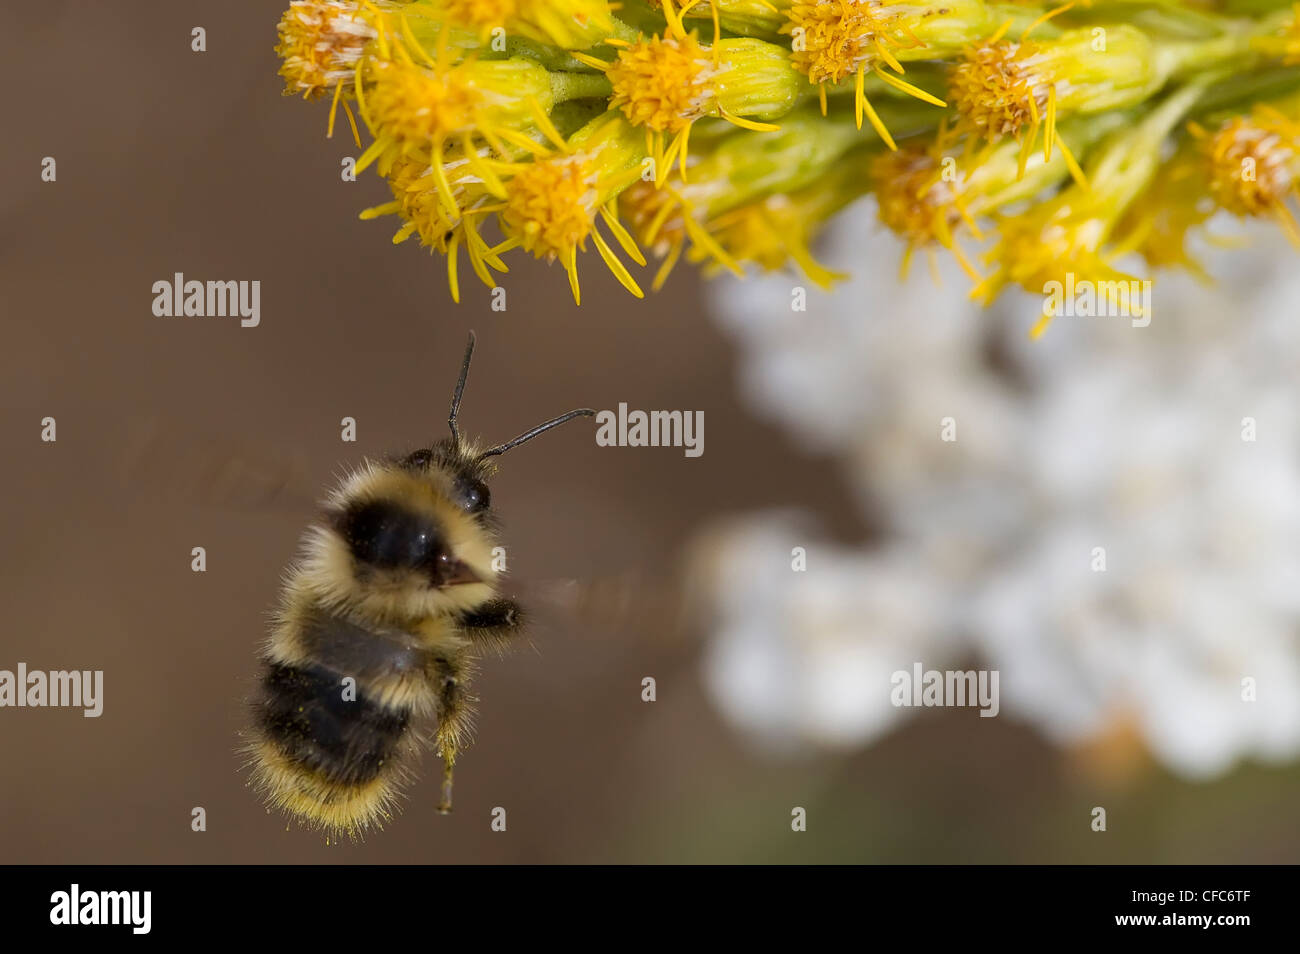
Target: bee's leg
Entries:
(450, 679)
(448, 768)
(494, 623)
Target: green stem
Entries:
(1131, 159)
(1235, 95)
(623, 31)
(566, 86)
(1181, 58)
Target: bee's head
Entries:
(464, 477)
(391, 537)
(416, 536)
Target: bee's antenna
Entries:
(460, 390)
(530, 434)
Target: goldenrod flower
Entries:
(1068, 234)
(668, 83)
(321, 42)
(663, 218)
(475, 189)
(415, 109)
(999, 87)
(728, 229)
(551, 204)
(418, 199)
(922, 204)
(737, 170)
(1073, 231)
(1254, 165)
(833, 40)
(544, 117)
(928, 191)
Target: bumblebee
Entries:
(379, 624)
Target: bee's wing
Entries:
(604, 603)
(221, 471)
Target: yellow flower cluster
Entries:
(728, 132)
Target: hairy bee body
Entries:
(378, 627)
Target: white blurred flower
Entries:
(1098, 435)
(806, 655)
(871, 372)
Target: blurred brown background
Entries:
(170, 160)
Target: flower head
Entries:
(666, 83)
(416, 107)
(1042, 244)
(664, 218)
(834, 40)
(415, 110)
(1254, 165)
(1003, 88)
(999, 88)
(928, 191)
(551, 204)
(413, 106)
(321, 42)
(418, 199)
(838, 37)
(920, 197)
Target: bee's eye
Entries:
(418, 460)
(472, 495)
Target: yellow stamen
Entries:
(452, 278)
(908, 88)
(1043, 19)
